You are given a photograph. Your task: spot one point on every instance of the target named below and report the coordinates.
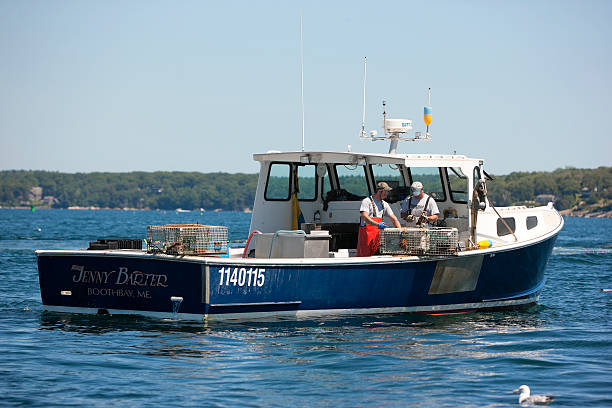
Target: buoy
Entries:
(427, 115)
(427, 110)
(485, 244)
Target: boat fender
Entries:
(485, 244)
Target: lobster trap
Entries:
(419, 241)
(187, 239)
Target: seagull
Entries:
(525, 397)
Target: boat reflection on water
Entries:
(408, 336)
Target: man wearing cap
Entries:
(419, 208)
(372, 210)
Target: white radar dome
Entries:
(398, 125)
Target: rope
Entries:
(476, 195)
(502, 220)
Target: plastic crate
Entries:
(419, 241)
(187, 239)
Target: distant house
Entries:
(545, 199)
(50, 201)
(585, 192)
(35, 194)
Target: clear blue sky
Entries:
(200, 86)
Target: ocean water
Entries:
(560, 347)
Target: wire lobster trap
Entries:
(187, 239)
(419, 241)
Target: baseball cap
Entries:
(383, 186)
(416, 188)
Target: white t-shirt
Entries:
(416, 207)
(382, 208)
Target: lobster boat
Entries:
(300, 258)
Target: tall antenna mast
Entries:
(302, 77)
(365, 60)
(385, 117)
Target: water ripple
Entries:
(561, 346)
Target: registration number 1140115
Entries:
(242, 276)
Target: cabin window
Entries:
(502, 229)
(277, 185)
(457, 185)
(431, 177)
(392, 175)
(307, 182)
(352, 179)
(532, 222)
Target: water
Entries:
(563, 346)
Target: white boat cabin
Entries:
(329, 187)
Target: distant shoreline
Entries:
(584, 191)
(586, 214)
(565, 213)
(77, 208)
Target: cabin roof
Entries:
(409, 160)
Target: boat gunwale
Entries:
(348, 261)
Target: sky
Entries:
(119, 86)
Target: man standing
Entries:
(419, 208)
(372, 210)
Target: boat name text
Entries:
(121, 277)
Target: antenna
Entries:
(365, 60)
(302, 77)
(385, 118)
(394, 129)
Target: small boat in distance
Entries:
(300, 258)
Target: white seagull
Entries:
(525, 397)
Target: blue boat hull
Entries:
(100, 282)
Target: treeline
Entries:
(142, 190)
(571, 188)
